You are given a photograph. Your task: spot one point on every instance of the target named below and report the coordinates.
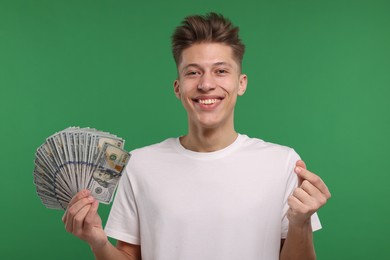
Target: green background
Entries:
(319, 79)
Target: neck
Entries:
(208, 140)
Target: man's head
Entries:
(210, 28)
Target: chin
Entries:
(210, 123)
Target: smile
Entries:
(207, 101)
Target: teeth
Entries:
(207, 101)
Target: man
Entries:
(213, 193)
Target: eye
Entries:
(192, 73)
(221, 71)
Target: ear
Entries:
(176, 88)
(243, 83)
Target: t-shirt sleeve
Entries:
(123, 220)
(292, 183)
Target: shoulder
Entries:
(161, 147)
(267, 152)
(252, 143)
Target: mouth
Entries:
(207, 100)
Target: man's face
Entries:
(208, 84)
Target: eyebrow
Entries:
(190, 65)
(222, 63)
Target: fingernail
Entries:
(90, 198)
(298, 169)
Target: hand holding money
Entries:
(82, 220)
(76, 159)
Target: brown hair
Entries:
(212, 28)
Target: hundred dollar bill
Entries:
(78, 158)
(105, 177)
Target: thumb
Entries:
(298, 166)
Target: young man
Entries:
(213, 193)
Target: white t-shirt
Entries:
(183, 205)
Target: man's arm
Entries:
(310, 195)
(298, 244)
(82, 220)
(122, 251)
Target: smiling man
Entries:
(208, 85)
(212, 193)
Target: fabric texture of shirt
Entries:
(230, 204)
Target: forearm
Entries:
(298, 244)
(109, 252)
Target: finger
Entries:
(310, 189)
(78, 220)
(298, 211)
(302, 196)
(313, 179)
(308, 204)
(81, 194)
(318, 198)
(312, 204)
(294, 203)
(300, 164)
(92, 218)
(74, 209)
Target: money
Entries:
(105, 177)
(75, 159)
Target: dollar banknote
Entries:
(105, 177)
(78, 158)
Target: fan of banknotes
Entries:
(75, 159)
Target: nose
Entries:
(206, 83)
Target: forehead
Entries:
(207, 54)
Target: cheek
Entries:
(231, 88)
(183, 91)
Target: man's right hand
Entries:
(82, 220)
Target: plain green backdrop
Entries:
(319, 79)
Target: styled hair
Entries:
(209, 28)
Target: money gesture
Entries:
(310, 195)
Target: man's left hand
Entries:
(310, 195)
